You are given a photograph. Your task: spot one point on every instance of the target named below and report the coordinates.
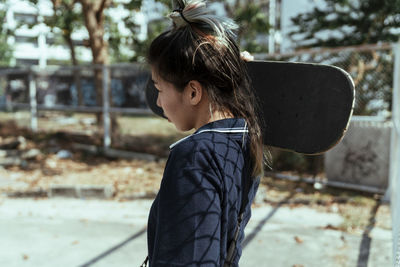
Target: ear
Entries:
(194, 92)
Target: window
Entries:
(26, 40)
(25, 18)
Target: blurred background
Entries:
(74, 122)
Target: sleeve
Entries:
(189, 212)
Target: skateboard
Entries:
(305, 107)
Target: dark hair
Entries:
(209, 54)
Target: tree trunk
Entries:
(94, 20)
(76, 72)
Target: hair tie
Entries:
(180, 10)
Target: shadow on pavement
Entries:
(111, 250)
(365, 244)
(258, 228)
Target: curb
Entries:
(67, 191)
(28, 194)
(139, 195)
(81, 192)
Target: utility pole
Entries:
(272, 24)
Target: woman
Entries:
(211, 176)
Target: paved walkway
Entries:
(73, 232)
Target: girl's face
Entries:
(173, 104)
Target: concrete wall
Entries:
(362, 157)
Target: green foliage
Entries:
(291, 161)
(116, 41)
(141, 46)
(5, 50)
(133, 5)
(252, 19)
(354, 22)
(66, 18)
(154, 28)
(252, 22)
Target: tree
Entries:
(348, 22)
(5, 50)
(355, 22)
(141, 46)
(68, 20)
(95, 18)
(154, 28)
(252, 20)
(250, 16)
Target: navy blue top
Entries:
(194, 216)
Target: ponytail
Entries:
(201, 46)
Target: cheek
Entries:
(162, 100)
(158, 102)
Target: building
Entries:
(41, 46)
(36, 45)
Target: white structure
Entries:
(34, 46)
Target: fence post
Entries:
(32, 101)
(394, 181)
(106, 108)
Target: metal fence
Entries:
(91, 89)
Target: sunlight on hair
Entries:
(203, 19)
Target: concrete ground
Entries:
(74, 232)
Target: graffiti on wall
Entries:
(361, 162)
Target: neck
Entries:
(212, 116)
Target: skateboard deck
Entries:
(305, 107)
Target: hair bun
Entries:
(196, 11)
(178, 19)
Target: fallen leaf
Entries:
(298, 239)
(331, 227)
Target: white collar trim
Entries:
(217, 130)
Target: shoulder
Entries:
(207, 144)
(208, 149)
(193, 147)
(192, 162)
